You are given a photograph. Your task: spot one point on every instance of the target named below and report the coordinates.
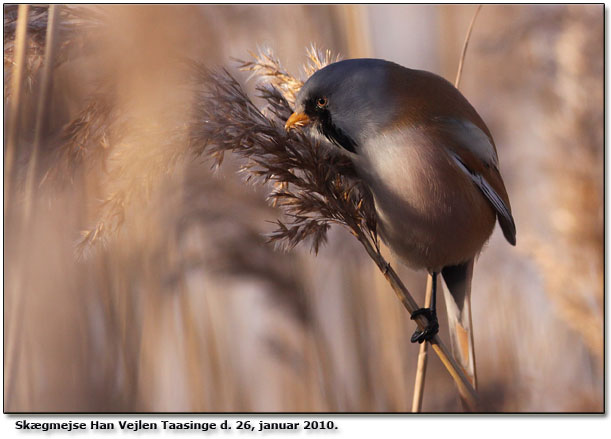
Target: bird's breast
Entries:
(430, 213)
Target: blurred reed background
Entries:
(177, 304)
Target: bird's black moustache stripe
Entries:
(334, 134)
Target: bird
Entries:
(432, 167)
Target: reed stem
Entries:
(422, 355)
(41, 111)
(465, 388)
(14, 334)
(12, 125)
(464, 47)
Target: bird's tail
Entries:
(457, 294)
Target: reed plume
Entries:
(313, 185)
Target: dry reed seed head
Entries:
(75, 23)
(314, 185)
(270, 71)
(133, 168)
(87, 139)
(319, 59)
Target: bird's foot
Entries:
(431, 329)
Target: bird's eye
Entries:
(321, 102)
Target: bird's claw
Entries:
(431, 329)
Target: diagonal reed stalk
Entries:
(314, 185)
(466, 390)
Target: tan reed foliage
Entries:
(113, 315)
(265, 65)
(76, 22)
(568, 75)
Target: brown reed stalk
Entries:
(422, 355)
(466, 390)
(314, 185)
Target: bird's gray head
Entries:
(347, 101)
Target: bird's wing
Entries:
(474, 153)
(470, 137)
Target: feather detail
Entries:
(503, 210)
(457, 295)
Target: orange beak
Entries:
(297, 120)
